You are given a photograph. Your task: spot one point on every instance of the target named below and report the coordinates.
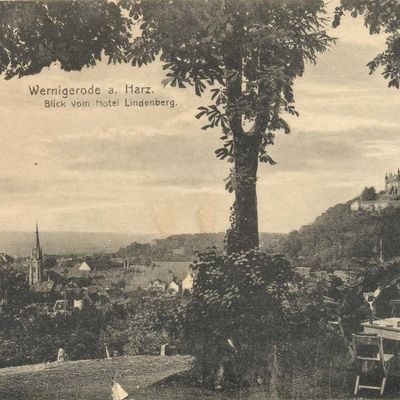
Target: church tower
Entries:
(35, 266)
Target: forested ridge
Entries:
(342, 238)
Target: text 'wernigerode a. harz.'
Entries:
(92, 96)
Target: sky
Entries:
(154, 170)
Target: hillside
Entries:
(182, 247)
(88, 379)
(342, 238)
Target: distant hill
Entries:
(20, 243)
(167, 249)
(342, 238)
(182, 247)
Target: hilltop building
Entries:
(36, 261)
(389, 198)
(392, 185)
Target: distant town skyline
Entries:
(153, 170)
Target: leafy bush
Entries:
(241, 297)
(142, 327)
(254, 300)
(369, 194)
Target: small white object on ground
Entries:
(118, 393)
(61, 355)
(162, 350)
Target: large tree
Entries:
(242, 54)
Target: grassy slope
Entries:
(88, 379)
(143, 377)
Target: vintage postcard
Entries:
(199, 199)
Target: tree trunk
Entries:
(243, 234)
(246, 215)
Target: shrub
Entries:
(369, 194)
(241, 297)
(141, 327)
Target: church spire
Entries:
(37, 250)
(35, 266)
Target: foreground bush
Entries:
(245, 305)
(237, 310)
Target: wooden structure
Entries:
(387, 328)
(368, 354)
(395, 307)
(337, 328)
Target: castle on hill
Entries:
(389, 198)
(392, 185)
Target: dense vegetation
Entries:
(341, 238)
(31, 333)
(338, 239)
(243, 306)
(189, 244)
(369, 194)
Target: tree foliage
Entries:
(247, 54)
(341, 238)
(141, 327)
(74, 34)
(31, 333)
(244, 54)
(369, 194)
(380, 17)
(242, 298)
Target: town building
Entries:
(174, 287)
(179, 251)
(36, 261)
(343, 275)
(319, 275)
(304, 272)
(84, 267)
(187, 282)
(392, 185)
(156, 285)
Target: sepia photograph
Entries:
(199, 199)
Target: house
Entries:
(54, 276)
(46, 288)
(96, 298)
(71, 290)
(84, 267)
(303, 271)
(187, 282)
(119, 300)
(173, 287)
(61, 307)
(343, 275)
(319, 275)
(178, 252)
(79, 270)
(157, 285)
(79, 304)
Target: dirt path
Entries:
(88, 379)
